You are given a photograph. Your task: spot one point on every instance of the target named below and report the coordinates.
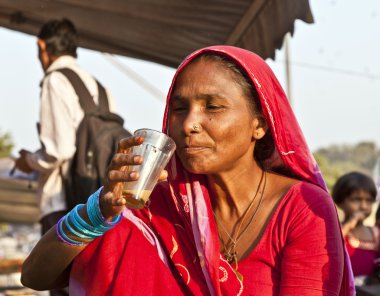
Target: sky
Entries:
(335, 78)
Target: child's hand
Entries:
(352, 222)
(358, 216)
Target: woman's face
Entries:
(206, 95)
(357, 201)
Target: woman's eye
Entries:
(178, 108)
(213, 107)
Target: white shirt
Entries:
(60, 115)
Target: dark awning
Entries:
(163, 31)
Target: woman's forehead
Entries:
(205, 78)
(206, 72)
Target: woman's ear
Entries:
(259, 128)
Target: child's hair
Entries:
(351, 182)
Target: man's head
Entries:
(56, 38)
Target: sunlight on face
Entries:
(205, 94)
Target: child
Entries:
(355, 194)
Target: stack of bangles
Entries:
(78, 227)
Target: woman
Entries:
(355, 193)
(244, 211)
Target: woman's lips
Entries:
(194, 149)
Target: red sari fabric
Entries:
(297, 253)
(173, 243)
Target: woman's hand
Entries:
(111, 201)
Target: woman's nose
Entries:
(192, 123)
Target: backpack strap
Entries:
(102, 98)
(86, 101)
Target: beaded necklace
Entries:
(229, 247)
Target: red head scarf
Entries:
(290, 143)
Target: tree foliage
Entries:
(6, 144)
(337, 160)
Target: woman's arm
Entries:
(48, 265)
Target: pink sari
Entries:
(173, 244)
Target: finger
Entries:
(163, 176)
(127, 143)
(121, 159)
(111, 205)
(119, 162)
(359, 215)
(110, 199)
(122, 176)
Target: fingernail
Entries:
(137, 159)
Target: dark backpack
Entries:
(96, 142)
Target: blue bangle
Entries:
(95, 215)
(81, 224)
(63, 237)
(92, 213)
(77, 226)
(86, 234)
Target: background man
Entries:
(60, 115)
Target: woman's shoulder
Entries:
(305, 209)
(298, 201)
(289, 188)
(309, 197)
(309, 190)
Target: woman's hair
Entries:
(60, 37)
(265, 146)
(351, 182)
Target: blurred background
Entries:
(330, 70)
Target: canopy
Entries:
(164, 31)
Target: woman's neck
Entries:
(232, 192)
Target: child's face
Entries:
(357, 201)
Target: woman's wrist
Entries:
(84, 223)
(109, 212)
(95, 214)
